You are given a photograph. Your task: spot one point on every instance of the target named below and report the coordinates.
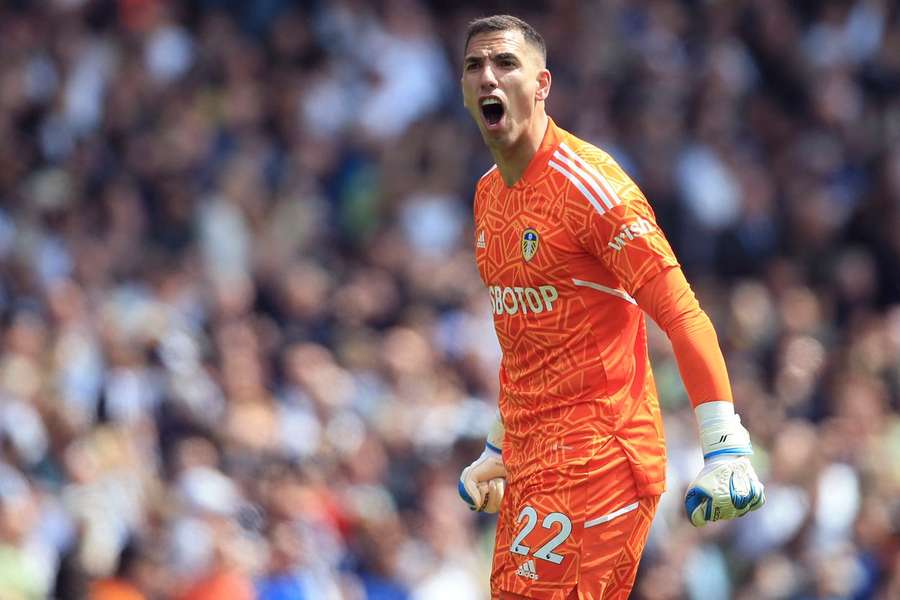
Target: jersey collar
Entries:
(538, 163)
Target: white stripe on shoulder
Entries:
(577, 183)
(611, 192)
(488, 172)
(602, 288)
(587, 178)
(610, 516)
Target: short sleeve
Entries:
(612, 220)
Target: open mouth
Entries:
(491, 110)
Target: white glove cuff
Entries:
(721, 432)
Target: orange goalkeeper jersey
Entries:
(562, 253)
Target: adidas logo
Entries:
(481, 243)
(526, 569)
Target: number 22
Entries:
(545, 552)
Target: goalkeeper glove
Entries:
(727, 486)
(482, 484)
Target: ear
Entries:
(544, 81)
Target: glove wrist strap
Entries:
(721, 432)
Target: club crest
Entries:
(530, 241)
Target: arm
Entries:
(727, 487)
(670, 301)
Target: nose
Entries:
(487, 81)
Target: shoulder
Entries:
(575, 146)
(483, 190)
(591, 173)
(485, 181)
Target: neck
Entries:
(512, 160)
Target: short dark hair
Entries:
(506, 23)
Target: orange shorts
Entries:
(573, 534)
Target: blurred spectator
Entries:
(20, 567)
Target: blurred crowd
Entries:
(245, 351)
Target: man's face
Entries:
(503, 79)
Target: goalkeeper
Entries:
(572, 258)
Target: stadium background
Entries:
(244, 345)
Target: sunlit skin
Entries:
(503, 65)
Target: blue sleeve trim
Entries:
(745, 451)
(490, 446)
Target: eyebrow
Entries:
(506, 56)
(478, 59)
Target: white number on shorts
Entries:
(565, 528)
(531, 515)
(545, 552)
